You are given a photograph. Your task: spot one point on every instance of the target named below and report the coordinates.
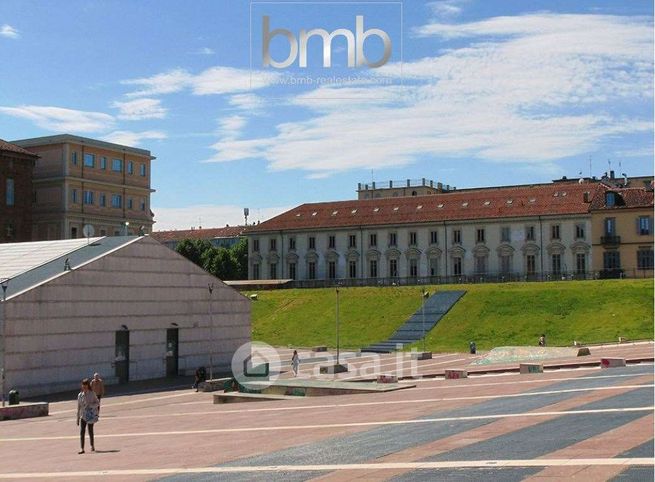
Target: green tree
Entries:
(240, 255)
(220, 263)
(194, 249)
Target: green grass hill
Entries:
(489, 314)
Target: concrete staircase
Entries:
(436, 306)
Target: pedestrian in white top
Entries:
(295, 363)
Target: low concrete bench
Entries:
(213, 385)
(531, 368)
(233, 397)
(612, 362)
(387, 379)
(24, 410)
(451, 374)
(319, 348)
(584, 351)
(421, 355)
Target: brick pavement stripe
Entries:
(625, 462)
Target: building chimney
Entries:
(408, 183)
(585, 196)
(611, 174)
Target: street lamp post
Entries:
(424, 296)
(210, 288)
(4, 283)
(337, 322)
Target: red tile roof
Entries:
(8, 146)
(210, 233)
(508, 202)
(632, 197)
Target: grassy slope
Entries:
(490, 314)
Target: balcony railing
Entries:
(610, 240)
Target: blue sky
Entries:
(474, 93)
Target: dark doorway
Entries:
(172, 336)
(122, 356)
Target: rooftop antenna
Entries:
(246, 212)
(199, 222)
(590, 171)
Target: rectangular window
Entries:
(554, 231)
(102, 199)
(130, 167)
(457, 266)
(505, 264)
(373, 268)
(611, 260)
(117, 165)
(610, 226)
(393, 268)
(292, 243)
(531, 264)
(142, 170)
(372, 240)
(352, 241)
(143, 204)
(434, 237)
(292, 270)
(74, 196)
(505, 234)
(255, 245)
(103, 162)
(413, 268)
(129, 203)
(272, 271)
(529, 233)
(479, 236)
(412, 238)
(10, 197)
(255, 271)
(332, 241)
(556, 264)
(645, 258)
(332, 270)
(74, 158)
(311, 270)
(89, 160)
(312, 243)
(392, 239)
(352, 269)
(272, 244)
(88, 197)
(116, 201)
(579, 231)
(644, 225)
(580, 263)
(457, 236)
(481, 264)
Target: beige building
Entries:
(79, 181)
(126, 307)
(408, 187)
(622, 232)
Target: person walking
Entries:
(295, 363)
(98, 387)
(87, 413)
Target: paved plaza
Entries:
(580, 422)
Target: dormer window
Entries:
(610, 199)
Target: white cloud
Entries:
(446, 8)
(139, 109)
(210, 216)
(60, 119)
(204, 51)
(230, 127)
(250, 102)
(215, 80)
(542, 87)
(8, 31)
(131, 138)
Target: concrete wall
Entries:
(64, 330)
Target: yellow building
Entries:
(622, 232)
(79, 181)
